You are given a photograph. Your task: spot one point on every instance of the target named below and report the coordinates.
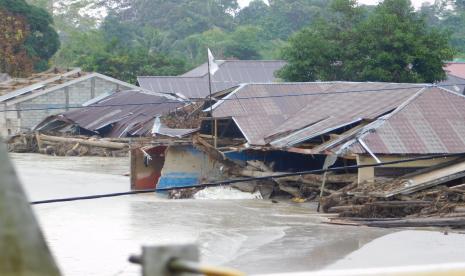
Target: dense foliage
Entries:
(322, 39)
(27, 39)
(185, 28)
(392, 44)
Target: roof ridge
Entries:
(251, 60)
(166, 77)
(449, 91)
(337, 82)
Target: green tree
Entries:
(254, 14)
(41, 41)
(79, 45)
(119, 59)
(244, 43)
(128, 64)
(281, 18)
(180, 18)
(392, 44)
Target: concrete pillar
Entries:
(23, 248)
(365, 174)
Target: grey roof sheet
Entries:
(123, 110)
(454, 84)
(433, 122)
(284, 114)
(175, 132)
(455, 68)
(194, 84)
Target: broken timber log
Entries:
(346, 208)
(412, 222)
(102, 144)
(307, 178)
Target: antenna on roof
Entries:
(212, 68)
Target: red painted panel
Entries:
(146, 175)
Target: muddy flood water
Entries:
(95, 237)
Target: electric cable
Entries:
(232, 181)
(396, 89)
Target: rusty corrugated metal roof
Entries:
(194, 84)
(456, 69)
(285, 114)
(432, 122)
(125, 113)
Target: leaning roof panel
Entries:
(284, 114)
(431, 123)
(126, 111)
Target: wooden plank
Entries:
(23, 248)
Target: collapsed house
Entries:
(107, 125)
(286, 126)
(271, 130)
(27, 101)
(129, 113)
(195, 83)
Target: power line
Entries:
(90, 197)
(396, 89)
(232, 181)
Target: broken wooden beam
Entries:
(399, 203)
(410, 222)
(345, 208)
(94, 143)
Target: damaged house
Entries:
(26, 102)
(128, 113)
(111, 123)
(261, 129)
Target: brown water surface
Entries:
(95, 237)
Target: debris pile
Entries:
(22, 143)
(304, 187)
(430, 197)
(188, 116)
(68, 145)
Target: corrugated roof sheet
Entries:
(18, 86)
(433, 122)
(456, 69)
(194, 84)
(175, 132)
(285, 114)
(454, 84)
(123, 110)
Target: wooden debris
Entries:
(94, 143)
(67, 146)
(410, 222)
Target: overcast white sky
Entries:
(417, 3)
